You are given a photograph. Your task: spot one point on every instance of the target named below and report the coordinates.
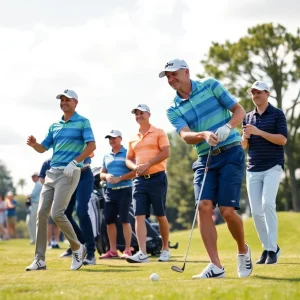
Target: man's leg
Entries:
(255, 190)
(43, 213)
(271, 181)
(64, 188)
(141, 232)
(112, 236)
(83, 196)
(208, 231)
(69, 214)
(29, 225)
(164, 231)
(235, 225)
(127, 232)
(33, 213)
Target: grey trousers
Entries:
(31, 221)
(55, 197)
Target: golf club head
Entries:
(177, 269)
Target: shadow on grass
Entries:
(110, 270)
(296, 279)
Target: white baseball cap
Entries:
(9, 193)
(173, 65)
(141, 107)
(69, 94)
(114, 133)
(259, 85)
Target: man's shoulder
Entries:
(80, 118)
(157, 130)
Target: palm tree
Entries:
(21, 183)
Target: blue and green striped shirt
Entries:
(68, 139)
(207, 109)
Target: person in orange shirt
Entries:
(147, 155)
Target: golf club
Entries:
(175, 268)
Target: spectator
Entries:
(11, 214)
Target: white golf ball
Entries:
(154, 277)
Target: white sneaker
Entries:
(139, 257)
(245, 264)
(37, 264)
(77, 257)
(211, 271)
(164, 256)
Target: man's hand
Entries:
(109, 178)
(245, 135)
(223, 133)
(142, 169)
(250, 129)
(211, 138)
(31, 141)
(115, 180)
(69, 169)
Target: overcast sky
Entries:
(110, 53)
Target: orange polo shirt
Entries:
(147, 146)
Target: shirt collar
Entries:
(151, 129)
(73, 118)
(120, 151)
(178, 99)
(268, 110)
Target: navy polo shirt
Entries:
(262, 154)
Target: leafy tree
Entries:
(21, 183)
(269, 53)
(6, 183)
(180, 195)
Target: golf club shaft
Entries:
(198, 202)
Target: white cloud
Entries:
(112, 61)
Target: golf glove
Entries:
(223, 132)
(69, 169)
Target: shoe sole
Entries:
(43, 268)
(217, 277)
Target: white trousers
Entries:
(262, 190)
(31, 221)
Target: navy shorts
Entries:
(224, 177)
(117, 202)
(151, 191)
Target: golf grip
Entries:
(199, 197)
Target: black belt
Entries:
(148, 176)
(224, 148)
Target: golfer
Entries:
(72, 141)
(264, 134)
(147, 155)
(205, 114)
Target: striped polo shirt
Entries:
(207, 109)
(115, 164)
(146, 147)
(68, 139)
(262, 154)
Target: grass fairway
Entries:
(117, 279)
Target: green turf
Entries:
(116, 279)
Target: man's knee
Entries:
(57, 217)
(205, 207)
(228, 213)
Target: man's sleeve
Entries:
(221, 94)
(281, 126)
(163, 140)
(87, 132)
(36, 190)
(176, 119)
(130, 151)
(48, 141)
(43, 170)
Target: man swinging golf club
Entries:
(199, 109)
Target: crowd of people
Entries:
(204, 115)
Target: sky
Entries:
(110, 53)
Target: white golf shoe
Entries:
(211, 271)
(37, 265)
(164, 256)
(139, 257)
(78, 257)
(245, 264)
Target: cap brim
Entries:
(133, 111)
(255, 88)
(66, 95)
(163, 73)
(111, 135)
